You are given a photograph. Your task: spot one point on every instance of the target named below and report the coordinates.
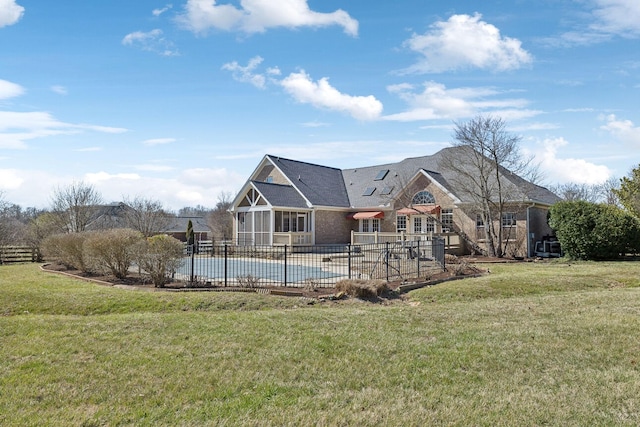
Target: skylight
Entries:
(369, 191)
(386, 190)
(381, 175)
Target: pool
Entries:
(214, 268)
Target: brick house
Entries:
(297, 203)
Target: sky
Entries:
(179, 101)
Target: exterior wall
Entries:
(270, 171)
(538, 226)
(333, 227)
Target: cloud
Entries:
(151, 41)
(256, 16)
(621, 17)
(570, 169)
(10, 12)
(246, 74)
(623, 130)
(158, 12)
(16, 128)
(9, 89)
(321, 94)
(60, 90)
(158, 141)
(436, 102)
(10, 179)
(466, 42)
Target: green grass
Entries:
(530, 344)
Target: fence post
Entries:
(349, 260)
(225, 265)
(418, 257)
(193, 257)
(285, 265)
(386, 258)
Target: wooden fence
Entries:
(18, 254)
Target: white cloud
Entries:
(620, 17)
(151, 41)
(9, 89)
(158, 141)
(256, 16)
(10, 179)
(16, 128)
(322, 95)
(436, 102)
(60, 90)
(10, 12)
(158, 12)
(246, 74)
(463, 42)
(623, 130)
(560, 170)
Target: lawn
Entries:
(528, 344)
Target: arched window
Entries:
(423, 198)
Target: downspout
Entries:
(529, 230)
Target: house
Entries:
(289, 202)
(177, 228)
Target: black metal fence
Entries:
(311, 266)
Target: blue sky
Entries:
(179, 101)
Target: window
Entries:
(509, 219)
(417, 224)
(447, 220)
(370, 225)
(291, 221)
(386, 190)
(269, 179)
(369, 191)
(401, 223)
(479, 221)
(381, 175)
(423, 198)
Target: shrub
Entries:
(594, 231)
(160, 256)
(68, 249)
(113, 251)
(362, 288)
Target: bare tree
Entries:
(220, 221)
(75, 205)
(147, 216)
(488, 154)
(5, 225)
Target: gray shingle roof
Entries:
(280, 195)
(321, 185)
(326, 186)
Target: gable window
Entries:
(269, 180)
(423, 198)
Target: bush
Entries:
(67, 249)
(112, 251)
(594, 231)
(362, 288)
(160, 256)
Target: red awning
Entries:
(420, 210)
(365, 215)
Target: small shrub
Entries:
(362, 288)
(311, 284)
(67, 249)
(113, 251)
(460, 268)
(159, 256)
(248, 281)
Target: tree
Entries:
(592, 193)
(487, 156)
(629, 192)
(220, 221)
(75, 205)
(147, 216)
(594, 231)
